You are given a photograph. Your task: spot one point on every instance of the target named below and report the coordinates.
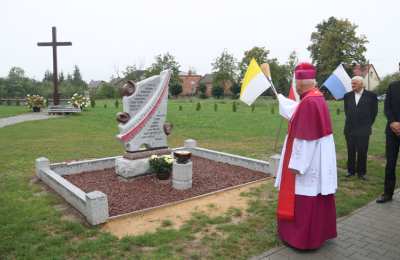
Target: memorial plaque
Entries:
(145, 111)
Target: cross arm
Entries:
(54, 44)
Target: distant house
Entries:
(208, 80)
(190, 83)
(368, 72)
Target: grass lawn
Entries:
(31, 226)
(6, 111)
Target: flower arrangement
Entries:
(35, 102)
(80, 101)
(161, 165)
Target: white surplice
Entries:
(315, 160)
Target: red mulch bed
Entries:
(147, 191)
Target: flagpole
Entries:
(272, 86)
(265, 70)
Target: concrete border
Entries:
(94, 205)
(75, 167)
(232, 159)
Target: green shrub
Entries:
(235, 89)
(198, 106)
(217, 91)
(202, 91)
(92, 102)
(175, 89)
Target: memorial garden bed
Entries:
(145, 192)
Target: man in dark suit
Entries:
(392, 112)
(360, 107)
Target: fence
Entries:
(22, 101)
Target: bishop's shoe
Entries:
(384, 198)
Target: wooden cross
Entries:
(54, 44)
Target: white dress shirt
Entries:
(357, 95)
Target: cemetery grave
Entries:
(105, 188)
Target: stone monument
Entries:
(142, 126)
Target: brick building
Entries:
(190, 83)
(208, 80)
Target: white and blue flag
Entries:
(339, 83)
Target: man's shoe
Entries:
(384, 198)
(349, 175)
(363, 178)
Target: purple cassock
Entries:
(313, 156)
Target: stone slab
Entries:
(147, 109)
(131, 168)
(147, 153)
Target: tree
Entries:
(17, 84)
(260, 54)
(106, 90)
(280, 76)
(217, 91)
(175, 89)
(163, 62)
(61, 77)
(383, 85)
(335, 42)
(48, 76)
(291, 63)
(132, 73)
(202, 90)
(16, 73)
(235, 89)
(225, 69)
(77, 77)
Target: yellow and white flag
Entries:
(254, 82)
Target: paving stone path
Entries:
(372, 232)
(23, 118)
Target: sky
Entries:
(109, 35)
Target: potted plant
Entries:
(35, 102)
(79, 101)
(161, 165)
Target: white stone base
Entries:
(182, 176)
(131, 168)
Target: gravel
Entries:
(147, 191)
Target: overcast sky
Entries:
(109, 35)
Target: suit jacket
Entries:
(360, 117)
(392, 104)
